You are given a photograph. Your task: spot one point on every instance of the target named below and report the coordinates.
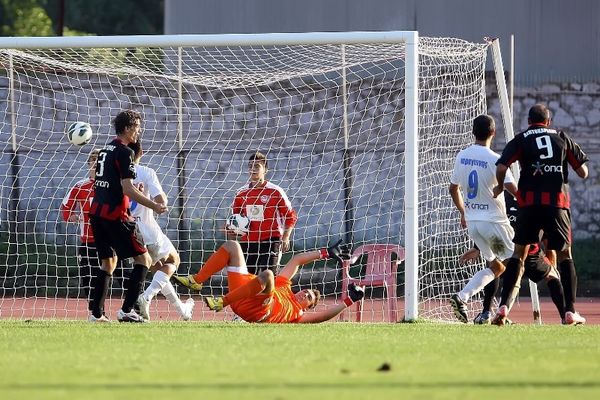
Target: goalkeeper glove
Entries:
(355, 293)
(340, 251)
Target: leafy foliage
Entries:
(99, 17)
(24, 18)
(108, 17)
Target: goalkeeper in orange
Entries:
(265, 297)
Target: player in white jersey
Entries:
(165, 259)
(484, 216)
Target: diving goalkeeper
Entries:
(265, 297)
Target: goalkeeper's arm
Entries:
(355, 293)
(338, 251)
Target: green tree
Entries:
(99, 17)
(24, 18)
(110, 17)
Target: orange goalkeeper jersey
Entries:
(280, 306)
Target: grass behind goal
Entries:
(51, 359)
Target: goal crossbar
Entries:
(259, 39)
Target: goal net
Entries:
(329, 117)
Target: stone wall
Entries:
(576, 110)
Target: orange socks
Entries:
(250, 289)
(216, 262)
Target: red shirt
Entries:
(268, 208)
(80, 196)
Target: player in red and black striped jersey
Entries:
(113, 227)
(544, 155)
(537, 267)
(75, 208)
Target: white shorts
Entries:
(494, 239)
(160, 249)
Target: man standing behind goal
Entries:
(272, 220)
(114, 229)
(483, 215)
(75, 208)
(544, 155)
(271, 215)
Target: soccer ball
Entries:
(238, 224)
(79, 133)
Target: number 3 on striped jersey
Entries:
(100, 161)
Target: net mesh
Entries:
(330, 119)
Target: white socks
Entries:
(476, 284)
(159, 281)
(171, 295)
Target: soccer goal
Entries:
(360, 129)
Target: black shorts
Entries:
(536, 268)
(117, 237)
(555, 222)
(87, 255)
(262, 255)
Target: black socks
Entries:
(510, 278)
(99, 292)
(568, 277)
(136, 282)
(488, 294)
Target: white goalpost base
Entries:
(360, 129)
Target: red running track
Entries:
(76, 309)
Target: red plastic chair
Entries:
(380, 271)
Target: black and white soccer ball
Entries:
(238, 224)
(79, 133)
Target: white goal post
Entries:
(360, 129)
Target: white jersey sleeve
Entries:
(509, 177)
(154, 187)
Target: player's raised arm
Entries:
(339, 251)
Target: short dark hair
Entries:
(137, 149)
(125, 119)
(483, 127)
(539, 113)
(260, 157)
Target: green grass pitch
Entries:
(78, 360)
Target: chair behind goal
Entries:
(380, 271)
